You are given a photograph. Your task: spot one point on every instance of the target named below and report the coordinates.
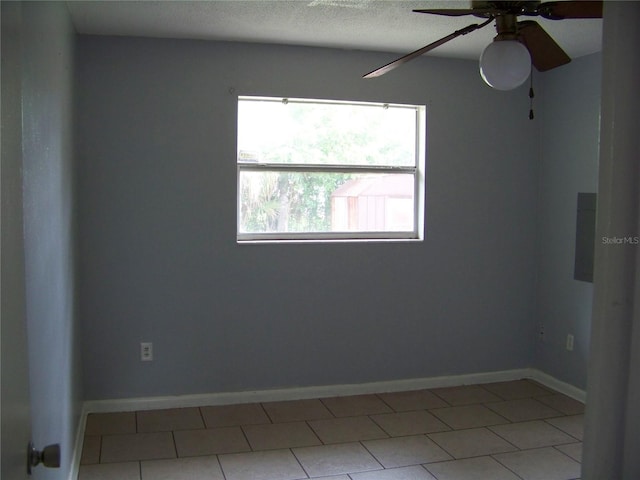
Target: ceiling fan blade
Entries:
(459, 12)
(545, 52)
(410, 56)
(571, 9)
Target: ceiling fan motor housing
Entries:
(486, 9)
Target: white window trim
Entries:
(418, 171)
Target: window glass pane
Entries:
(306, 201)
(311, 133)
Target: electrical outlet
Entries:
(570, 342)
(146, 351)
(541, 332)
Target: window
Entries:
(329, 170)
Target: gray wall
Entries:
(159, 261)
(568, 113)
(49, 227)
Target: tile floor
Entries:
(516, 430)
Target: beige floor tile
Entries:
(110, 423)
(468, 416)
(412, 400)
(335, 459)
(533, 434)
(110, 471)
(269, 465)
(409, 423)
(465, 395)
(405, 451)
(540, 464)
(573, 425)
(355, 405)
(192, 443)
(193, 468)
(563, 404)
(137, 446)
(415, 472)
(280, 435)
(480, 468)
(170, 419)
(347, 429)
(523, 410)
(296, 410)
(516, 389)
(286, 436)
(91, 450)
(471, 443)
(574, 450)
(233, 415)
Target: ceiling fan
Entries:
(506, 62)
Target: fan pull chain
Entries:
(531, 95)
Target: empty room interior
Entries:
(149, 336)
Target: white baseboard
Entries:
(558, 385)
(300, 393)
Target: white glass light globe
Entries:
(505, 64)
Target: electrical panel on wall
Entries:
(585, 237)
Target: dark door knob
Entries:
(49, 457)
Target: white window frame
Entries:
(417, 170)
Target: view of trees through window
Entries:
(311, 166)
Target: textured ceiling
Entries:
(378, 25)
